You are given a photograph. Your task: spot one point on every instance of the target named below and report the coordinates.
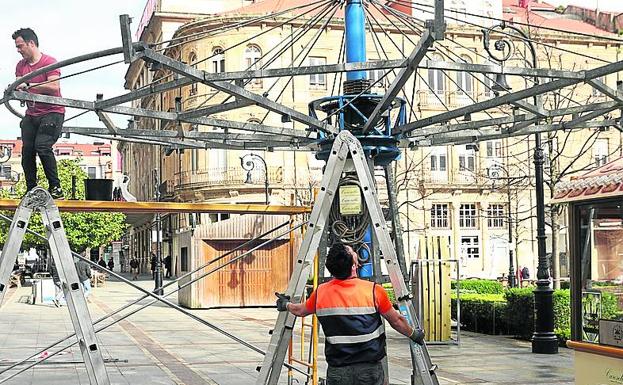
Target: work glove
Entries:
(282, 301)
(417, 336)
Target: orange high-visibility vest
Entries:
(353, 328)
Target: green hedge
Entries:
(479, 286)
(482, 313)
(521, 312)
(513, 313)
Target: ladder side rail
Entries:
(13, 243)
(422, 364)
(74, 295)
(276, 352)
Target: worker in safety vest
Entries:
(349, 310)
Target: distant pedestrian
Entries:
(84, 275)
(122, 260)
(102, 263)
(111, 264)
(59, 296)
(134, 268)
(167, 266)
(525, 275)
(153, 261)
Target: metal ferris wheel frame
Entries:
(526, 118)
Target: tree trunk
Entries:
(555, 259)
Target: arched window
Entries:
(192, 60)
(252, 57)
(464, 81)
(218, 60)
(436, 80)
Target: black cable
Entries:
(340, 58)
(301, 31)
(405, 19)
(325, 3)
(310, 45)
(501, 32)
(76, 74)
(229, 27)
(403, 54)
(442, 71)
(350, 229)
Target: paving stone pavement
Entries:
(161, 346)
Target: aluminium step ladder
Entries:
(344, 145)
(39, 199)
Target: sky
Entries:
(67, 28)
(604, 5)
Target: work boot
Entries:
(56, 192)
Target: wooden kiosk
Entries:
(595, 206)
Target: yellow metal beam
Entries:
(165, 207)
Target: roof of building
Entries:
(537, 13)
(541, 14)
(84, 148)
(603, 182)
(270, 6)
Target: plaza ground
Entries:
(160, 345)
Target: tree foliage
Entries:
(83, 229)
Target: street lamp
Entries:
(5, 153)
(248, 163)
(543, 340)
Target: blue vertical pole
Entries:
(355, 37)
(365, 256)
(355, 53)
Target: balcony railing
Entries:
(451, 177)
(230, 176)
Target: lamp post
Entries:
(511, 263)
(158, 268)
(248, 163)
(543, 340)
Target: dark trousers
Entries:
(356, 374)
(39, 133)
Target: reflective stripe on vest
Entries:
(345, 311)
(356, 339)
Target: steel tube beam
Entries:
(165, 207)
(169, 116)
(216, 109)
(601, 86)
(511, 97)
(343, 67)
(475, 136)
(196, 135)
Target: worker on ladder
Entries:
(349, 310)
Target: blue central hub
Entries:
(355, 39)
(352, 110)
